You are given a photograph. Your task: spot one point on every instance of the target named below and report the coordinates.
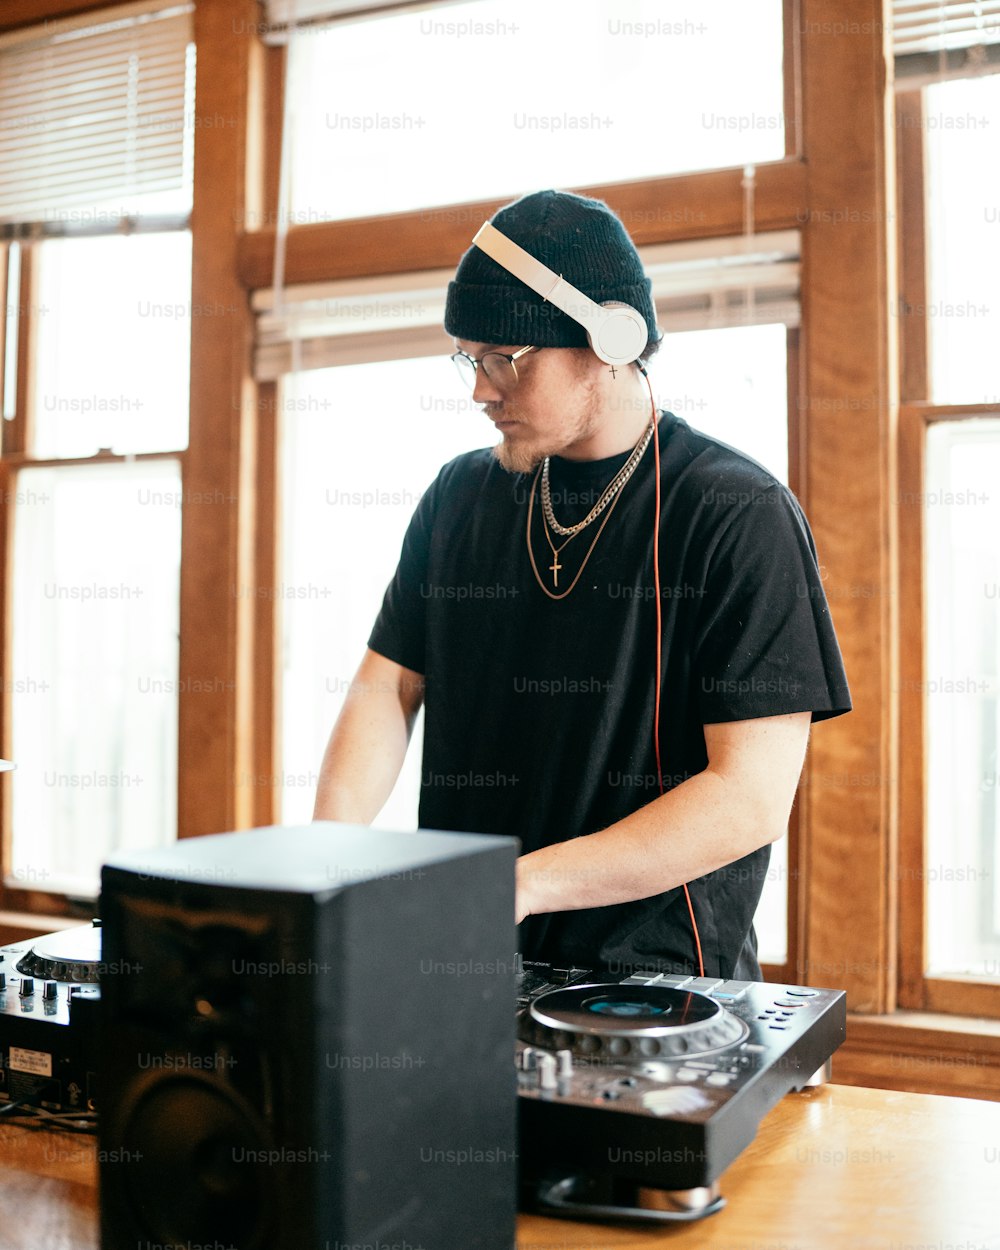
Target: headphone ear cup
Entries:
(621, 336)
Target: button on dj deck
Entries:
(673, 979)
(704, 985)
(731, 991)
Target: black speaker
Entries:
(307, 1042)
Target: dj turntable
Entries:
(48, 1020)
(636, 1095)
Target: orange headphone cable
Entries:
(659, 636)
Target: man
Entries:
(529, 616)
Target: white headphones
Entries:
(617, 332)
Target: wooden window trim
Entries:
(20, 430)
(911, 235)
(267, 626)
(849, 388)
(702, 205)
(922, 1053)
(791, 68)
(787, 973)
(18, 13)
(267, 753)
(218, 657)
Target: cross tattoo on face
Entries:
(614, 371)
(554, 568)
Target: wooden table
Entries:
(835, 1168)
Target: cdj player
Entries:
(49, 999)
(636, 1095)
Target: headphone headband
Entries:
(617, 332)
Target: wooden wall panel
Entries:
(850, 394)
(218, 579)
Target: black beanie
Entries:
(580, 239)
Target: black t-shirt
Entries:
(539, 713)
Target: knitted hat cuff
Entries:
(496, 315)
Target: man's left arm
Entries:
(740, 802)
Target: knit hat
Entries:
(577, 237)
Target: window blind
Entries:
(282, 17)
(944, 38)
(699, 285)
(96, 118)
(284, 12)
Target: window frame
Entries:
(917, 991)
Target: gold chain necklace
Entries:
(555, 566)
(609, 492)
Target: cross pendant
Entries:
(554, 568)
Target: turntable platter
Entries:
(69, 955)
(615, 1021)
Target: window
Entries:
(94, 688)
(95, 186)
(963, 239)
(962, 619)
(492, 99)
(112, 344)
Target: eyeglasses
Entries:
(499, 367)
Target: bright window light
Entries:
(962, 694)
(501, 97)
(94, 684)
(112, 359)
(963, 235)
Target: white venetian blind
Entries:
(96, 116)
(944, 38)
(700, 285)
(285, 12)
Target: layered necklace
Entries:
(606, 504)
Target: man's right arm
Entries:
(369, 741)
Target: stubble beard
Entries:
(525, 455)
(517, 458)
